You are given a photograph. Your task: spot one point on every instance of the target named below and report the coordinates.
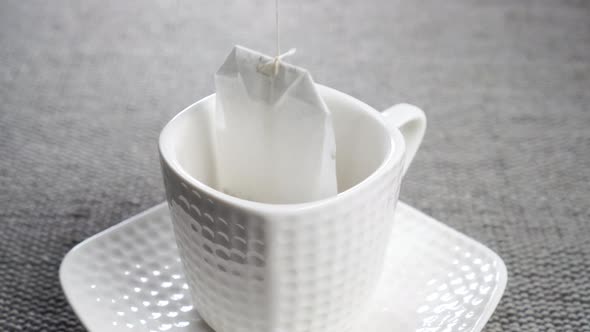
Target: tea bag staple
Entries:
(274, 140)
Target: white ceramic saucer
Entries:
(129, 278)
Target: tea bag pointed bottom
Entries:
(274, 140)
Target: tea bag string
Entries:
(279, 56)
(277, 27)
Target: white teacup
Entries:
(258, 267)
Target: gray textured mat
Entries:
(85, 87)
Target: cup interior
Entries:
(362, 140)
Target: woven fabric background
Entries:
(86, 86)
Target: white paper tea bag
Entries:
(274, 138)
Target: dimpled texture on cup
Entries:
(130, 278)
(293, 271)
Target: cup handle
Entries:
(411, 122)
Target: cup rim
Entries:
(393, 158)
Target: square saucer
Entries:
(129, 278)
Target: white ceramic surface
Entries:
(130, 278)
(255, 267)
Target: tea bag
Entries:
(274, 140)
